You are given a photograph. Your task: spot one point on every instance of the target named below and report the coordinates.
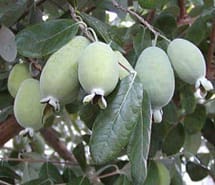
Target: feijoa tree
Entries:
(107, 92)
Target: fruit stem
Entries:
(51, 101)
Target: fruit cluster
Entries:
(97, 69)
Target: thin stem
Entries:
(109, 174)
(29, 160)
(82, 25)
(141, 19)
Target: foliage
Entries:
(121, 145)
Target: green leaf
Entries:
(159, 131)
(113, 126)
(103, 30)
(5, 113)
(8, 50)
(187, 99)
(141, 40)
(170, 113)
(196, 35)
(11, 10)
(194, 122)
(208, 131)
(166, 23)
(122, 180)
(45, 38)
(49, 171)
(196, 171)
(79, 153)
(31, 171)
(39, 182)
(138, 147)
(7, 172)
(68, 175)
(153, 174)
(88, 114)
(174, 139)
(192, 142)
(79, 181)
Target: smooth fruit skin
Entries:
(124, 66)
(18, 74)
(59, 78)
(98, 69)
(155, 72)
(187, 60)
(27, 107)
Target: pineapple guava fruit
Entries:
(27, 107)
(155, 72)
(189, 63)
(98, 72)
(59, 79)
(18, 74)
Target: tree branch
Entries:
(51, 138)
(183, 12)
(82, 25)
(140, 19)
(184, 18)
(210, 55)
(9, 129)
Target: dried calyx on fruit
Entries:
(98, 72)
(124, 66)
(189, 64)
(155, 72)
(59, 79)
(18, 74)
(27, 107)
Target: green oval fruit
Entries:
(188, 62)
(17, 75)
(98, 71)
(155, 72)
(27, 107)
(59, 79)
(124, 66)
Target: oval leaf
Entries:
(12, 10)
(113, 126)
(8, 50)
(194, 122)
(45, 38)
(196, 171)
(138, 147)
(174, 140)
(49, 171)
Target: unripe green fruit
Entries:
(59, 79)
(155, 72)
(98, 71)
(188, 62)
(17, 75)
(27, 107)
(124, 66)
